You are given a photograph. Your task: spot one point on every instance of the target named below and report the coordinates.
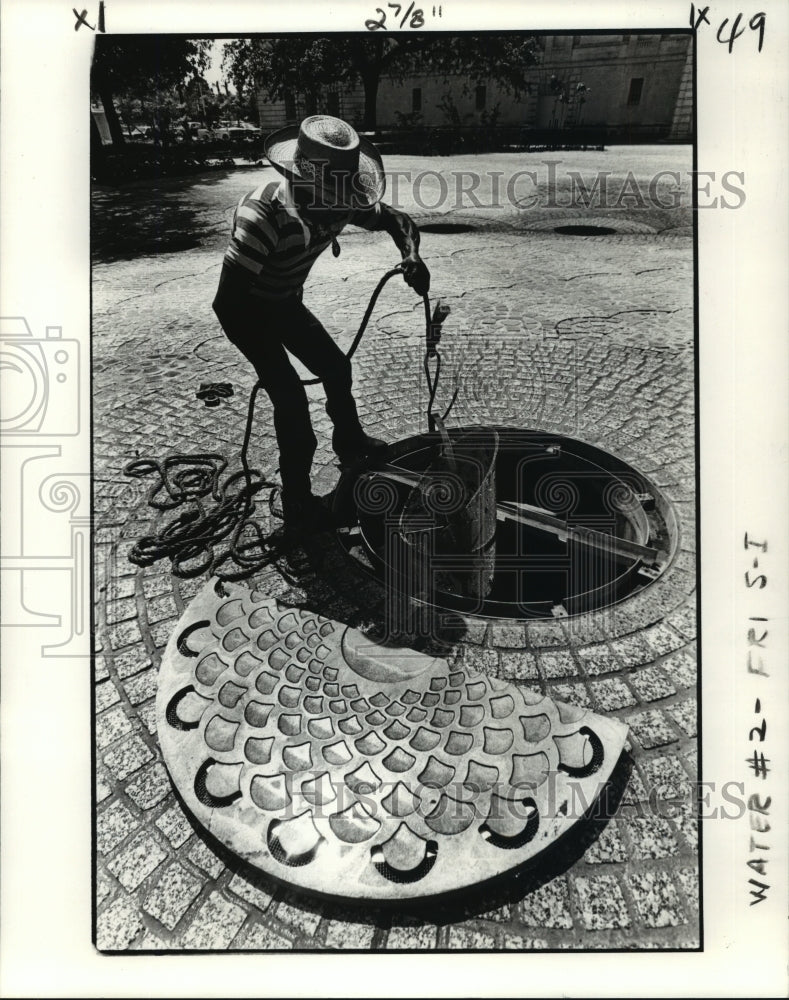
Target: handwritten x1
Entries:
(81, 20)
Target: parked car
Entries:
(136, 132)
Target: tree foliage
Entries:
(307, 64)
(144, 68)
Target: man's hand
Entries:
(416, 274)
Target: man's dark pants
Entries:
(262, 330)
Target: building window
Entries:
(481, 95)
(290, 107)
(636, 86)
(333, 103)
(416, 99)
(625, 39)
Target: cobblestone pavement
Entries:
(586, 336)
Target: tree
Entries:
(307, 65)
(141, 66)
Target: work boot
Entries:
(348, 457)
(305, 515)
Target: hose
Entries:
(190, 538)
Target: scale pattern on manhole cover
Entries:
(363, 771)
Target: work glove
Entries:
(416, 274)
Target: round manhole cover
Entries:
(507, 523)
(368, 772)
(585, 230)
(445, 228)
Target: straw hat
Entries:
(345, 170)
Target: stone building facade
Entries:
(635, 85)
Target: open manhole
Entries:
(507, 523)
(446, 228)
(585, 230)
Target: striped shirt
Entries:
(275, 247)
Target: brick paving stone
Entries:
(110, 726)
(598, 659)
(103, 785)
(651, 729)
(117, 925)
(214, 925)
(104, 888)
(681, 668)
(545, 634)
(685, 715)
(149, 787)
(573, 694)
(609, 847)
(121, 611)
(652, 684)
(154, 586)
(685, 816)
(662, 639)
(161, 632)
(632, 650)
(106, 695)
(519, 665)
(113, 825)
(135, 862)
(601, 903)
(651, 837)
(470, 939)
(634, 792)
(256, 896)
(344, 935)
(125, 758)
(151, 942)
(516, 942)
(546, 907)
(175, 826)
(500, 915)
(173, 894)
(558, 663)
(297, 918)
(124, 634)
(412, 937)
(656, 899)
(159, 608)
(263, 938)
(486, 661)
(100, 671)
(141, 687)
(119, 587)
(509, 636)
(474, 631)
(147, 716)
(612, 693)
(666, 778)
(688, 879)
(202, 856)
(131, 661)
(684, 621)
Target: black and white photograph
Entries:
(394, 536)
(394, 459)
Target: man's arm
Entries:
(405, 235)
